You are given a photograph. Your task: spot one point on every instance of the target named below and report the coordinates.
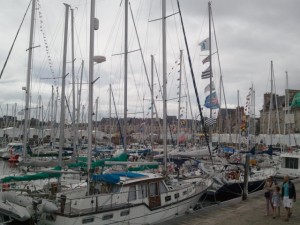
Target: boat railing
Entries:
(94, 203)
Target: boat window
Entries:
(184, 193)
(107, 216)
(176, 195)
(88, 220)
(125, 213)
(168, 198)
(115, 189)
(162, 187)
(142, 191)
(153, 189)
(132, 193)
(291, 163)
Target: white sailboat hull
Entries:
(140, 214)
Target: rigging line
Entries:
(176, 27)
(13, 44)
(142, 56)
(136, 86)
(194, 83)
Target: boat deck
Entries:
(236, 211)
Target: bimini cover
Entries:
(114, 178)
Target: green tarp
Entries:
(37, 176)
(296, 100)
(120, 158)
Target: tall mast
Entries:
(27, 95)
(62, 98)
(52, 117)
(79, 95)
(179, 99)
(239, 120)
(73, 85)
(271, 106)
(210, 64)
(164, 54)
(96, 126)
(288, 105)
(110, 114)
(152, 99)
(125, 76)
(91, 77)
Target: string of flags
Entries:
(45, 41)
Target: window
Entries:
(291, 163)
(153, 189)
(88, 220)
(168, 198)
(176, 195)
(107, 216)
(125, 212)
(142, 191)
(162, 187)
(184, 193)
(132, 193)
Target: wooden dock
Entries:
(236, 211)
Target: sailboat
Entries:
(126, 197)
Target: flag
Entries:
(206, 73)
(207, 88)
(214, 101)
(210, 122)
(206, 59)
(204, 44)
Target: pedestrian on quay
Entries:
(288, 194)
(269, 185)
(276, 201)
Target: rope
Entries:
(13, 44)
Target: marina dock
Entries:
(237, 211)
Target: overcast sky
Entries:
(249, 34)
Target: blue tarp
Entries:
(228, 150)
(114, 178)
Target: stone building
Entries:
(279, 117)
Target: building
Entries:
(280, 118)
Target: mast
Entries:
(152, 99)
(125, 77)
(27, 89)
(52, 118)
(210, 64)
(96, 126)
(110, 114)
(239, 120)
(73, 85)
(79, 96)
(164, 54)
(271, 106)
(179, 99)
(62, 98)
(288, 105)
(91, 77)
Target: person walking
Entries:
(276, 200)
(268, 194)
(288, 194)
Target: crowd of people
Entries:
(276, 196)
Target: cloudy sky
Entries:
(249, 34)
